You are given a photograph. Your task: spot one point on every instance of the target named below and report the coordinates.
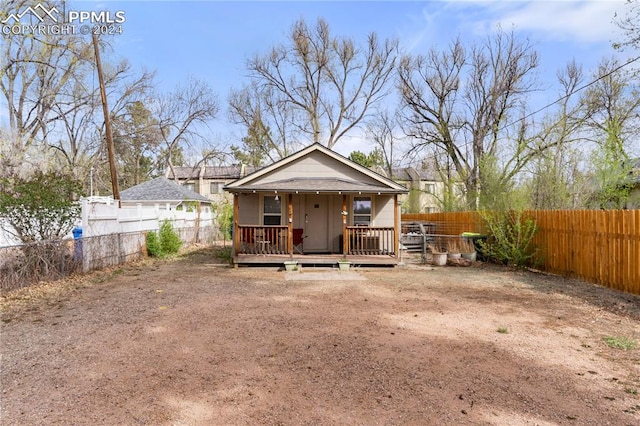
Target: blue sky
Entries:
(211, 40)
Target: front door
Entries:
(316, 221)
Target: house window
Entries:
(272, 211)
(216, 188)
(190, 186)
(429, 188)
(362, 211)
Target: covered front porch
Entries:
(363, 245)
(315, 207)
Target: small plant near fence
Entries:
(225, 220)
(510, 238)
(163, 243)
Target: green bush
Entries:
(510, 238)
(163, 243)
(153, 244)
(225, 220)
(169, 240)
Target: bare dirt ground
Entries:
(189, 342)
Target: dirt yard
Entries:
(190, 342)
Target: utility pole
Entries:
(107, 122)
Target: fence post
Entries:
(120, 261)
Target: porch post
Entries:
(345, 243)
(396, 234)
(236, 229)
(290, 223)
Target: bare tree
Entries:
(383, 130)
(630, 25)
(268, 120)
(34, 69)
(556, 177)
(614, 96)
(183, 115)
(613, 110)
(471, 105)
(329, 84)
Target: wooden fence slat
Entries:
(601, 246)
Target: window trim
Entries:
(429, 187)
(263, 214)
(190, 185)
(353, 213)
(218, 186)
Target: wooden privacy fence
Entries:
(601, 246)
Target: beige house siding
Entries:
(248, 212)
(317, 165)
(424, 196)
(634, 198)
(383, 208)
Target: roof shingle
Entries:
(161, 189)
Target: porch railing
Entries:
(364, 240)
(256, 239)
(361, 240)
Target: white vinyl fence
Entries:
(110, 236)
(113, 235)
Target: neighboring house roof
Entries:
(161, 189)
(226, 172)
(210, 172)
(183, 172)
(408, 174)
(370, 181)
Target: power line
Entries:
(591, 83)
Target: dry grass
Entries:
(31, 298)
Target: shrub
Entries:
(153, 244)
(40, 207)
(225, 220)
(510, 238)
(164, 242)
(169, 240)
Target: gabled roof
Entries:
(408, 174)
(161, 189)
(210, 172)
(310, 183)
(226, 172)
(183, 172)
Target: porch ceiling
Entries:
(330, 185)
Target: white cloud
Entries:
(576, 21)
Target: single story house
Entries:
(164, 194)
(316, 206)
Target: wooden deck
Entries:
(314, 259)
